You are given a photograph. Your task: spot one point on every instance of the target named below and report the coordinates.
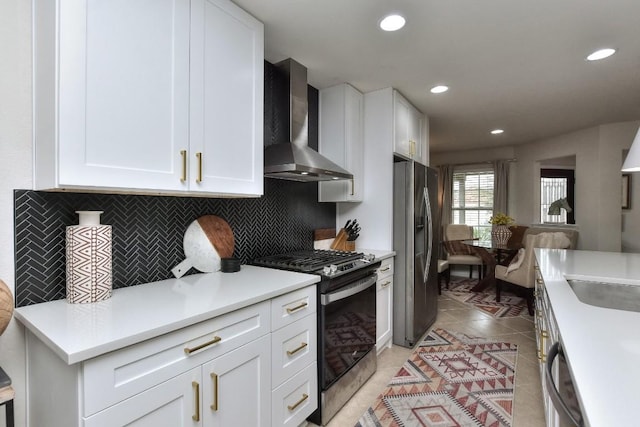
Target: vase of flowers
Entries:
(500, 232)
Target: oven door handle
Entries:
(349, 290)
(558, 403)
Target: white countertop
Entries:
(77, 332)
(602, 345)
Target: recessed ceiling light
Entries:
(601, 54)
(439, 89)
(392, 23)
(497, 131)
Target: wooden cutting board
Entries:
(219, 234)
(207, 240)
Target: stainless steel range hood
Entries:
(294, 160)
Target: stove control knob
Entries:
(333, 268)
(326, 270)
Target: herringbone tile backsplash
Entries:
(148, 231)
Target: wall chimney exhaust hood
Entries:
(294, 160)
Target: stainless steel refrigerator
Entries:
(415, 240)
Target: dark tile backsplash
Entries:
(148, 230)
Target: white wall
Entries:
(16, 171)
(598, 152)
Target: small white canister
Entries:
(88, 259)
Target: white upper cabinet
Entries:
(341, 139)
(411, 134)
(127, 92)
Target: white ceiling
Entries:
(512, 64)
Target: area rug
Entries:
(510, 305)
(451, 379)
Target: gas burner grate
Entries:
(306, 261)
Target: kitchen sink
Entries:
(607, 295)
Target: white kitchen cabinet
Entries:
(341, 139)
(546, 335)
(235, 387)
(384, 305)
(217, 372)
(410, 137)
(170, 404)
(147, 96)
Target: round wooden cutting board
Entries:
(207, 240)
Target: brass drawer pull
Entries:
(297, 307)
(183, 153)
(214, 405)
(293, 407)
(292, 352)
(199, 157)
(539, 281)
(385, 284)
(196, 389)
(215, 339)
(387, 268)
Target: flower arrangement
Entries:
(501, 219)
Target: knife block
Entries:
(340, 243)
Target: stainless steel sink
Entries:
(607, 295)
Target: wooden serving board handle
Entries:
(219, 234)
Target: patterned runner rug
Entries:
(510, 305)
(451, 379)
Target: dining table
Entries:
(492, 253)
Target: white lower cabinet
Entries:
(546, 335)
(248, 367)
(170, 404)
(384, 305)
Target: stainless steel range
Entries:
(346, 321)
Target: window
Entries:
(556, 184)
(472, 199)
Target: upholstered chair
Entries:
(457, 252)
(519, 275)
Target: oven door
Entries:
(347, 328)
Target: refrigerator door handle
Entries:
(427, 204)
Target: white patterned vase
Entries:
(500, 234)
(88, 259)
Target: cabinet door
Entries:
(416, 137)
(341, 139)
(173, 403)
(402, 118)
(123, 93)
(384, 312)
(226, 132)
(238, 390)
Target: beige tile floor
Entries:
(459, 317)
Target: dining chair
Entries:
(457, 252)
(519, 275)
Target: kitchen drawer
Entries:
(296, 399)
(292, 348)
(290, 307)
(123, 373)
(385, 269)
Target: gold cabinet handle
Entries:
(297, 307)
(539, 281)
(293, 407)
(353, 186)
(214, 404)
(543, 335)
(201, 346)
(199, 157)
(196, 389)
(183, 177)
(385, 284)
(292, 352)
(385, 269)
